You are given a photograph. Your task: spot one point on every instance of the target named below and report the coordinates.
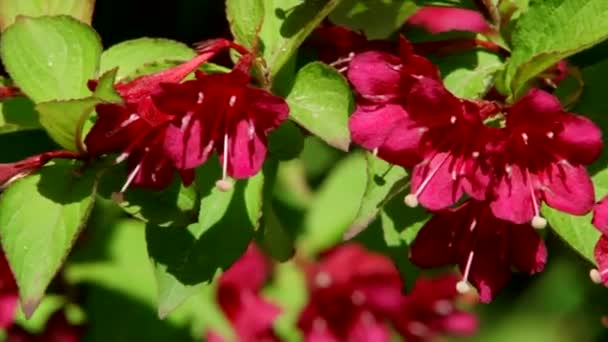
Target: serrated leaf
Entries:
(577, 231)
(549, 31)
(79, 9)
(470, 74)
(286, 25)
(227, 221)
(383, 181)
(321, 102)
(336, 204)
(64, 120)
(51, 58)
(131, 55)
(378, 19)
(245, 18)
(40, 218)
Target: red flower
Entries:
(355, 295)
(251, 316)
(9, 295)
(483, 246)
(429, 310)
(541, 156)
(13, 171)
(438, 19)
(138, 128)
(223, 113)
(600, 221)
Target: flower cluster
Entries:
(508, 160)
(356, 295)
(167, 125)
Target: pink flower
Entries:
(429, 310)
(483, 246)
(541, 157)
(251, 316)
(222, 113)
(438, 19)
(13, 171)
(138, 129)
(600, 221)
(9, 295)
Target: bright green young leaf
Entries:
(321, 102)
(577, 231)
(293, 20)
(40, 218)
(79, 9)
(245, 18)
(335, 205)
(470, 74)
(131, 55)
(549, 31)
(376, 18)
(64, 120)
(383, 181)
(51, 58)
(192, 256)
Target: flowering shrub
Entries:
(341, 170)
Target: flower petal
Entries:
(431, 103)
(435, 242)
(440, 189)
(389, 129)
(601, 258)
(459, 323)
(490, 269)
(580, 139)
(179, 98)
(600, 215)
(528, 252)
(115, 129)
(513, 200)
(375, 75)
(438, 19)
(367, 329)
(569, 189)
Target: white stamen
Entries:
(323, 279)
(453, 119)
(251, 130)
(132, 118)
(473, 225)
(475, 154)
(418, 329)
(454, 175)
(223, 185)
(595, 276)
(539, 222)
(463, 287)
(185, 121)
(225, 164)
(524, 136)
(375, 151)
(153, 176)
(131, 177)
(232, 101)
(508, 170)
(201, 97)
(550, 135)
(411, 200)
(122, 157)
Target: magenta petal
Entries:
(249, 272)
(601, 258)
(569, 189)
(255, 317)
(367, 329)
(513, 198)
(434, 245)
(178, 98)
(580, 139)
(528, 252)
(600, 215)
(321, 335)
(8, 309)
(537, 103)
(460, 323)
(389, 129)
(440, 190)
(430, 102)
(115, 129)
(266, 110)
(375, 75)
(186, 146)
(438, 19)
(490, 270)
(247, 151)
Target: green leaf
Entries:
(245, 18)
(286, 142)
(549, 31)
(131, 55)
(185, 258)
(40, 218)
(470, 74)
(51, 58)
(577, 231)
(64, 120)
(378, 19)
(335, 205)
(11, 9)
(321, 102)
(18, 114)
(293, 20)
(383, 181)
